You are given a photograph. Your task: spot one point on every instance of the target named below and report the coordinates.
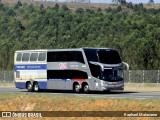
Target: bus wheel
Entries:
(86, 88)
(77, 88)
(36, 87)
(29, 87)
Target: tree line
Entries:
(131, 29)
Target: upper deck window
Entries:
(19, 57)
(109, 57)
(33, 56)
(42, 57)
(65, 56)
(91, 55)
(25, 56)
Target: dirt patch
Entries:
(28, 107)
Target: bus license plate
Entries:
(112, 83)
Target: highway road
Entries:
(113, 94)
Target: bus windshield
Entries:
(109, 57)
(103, 56)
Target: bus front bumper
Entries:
(112, 85)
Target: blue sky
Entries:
(107, 1)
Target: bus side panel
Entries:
(60, 84)
(21, 85)
(42, 85)
(69, 85)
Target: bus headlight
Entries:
(96, 84)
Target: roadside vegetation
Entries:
(131, 29)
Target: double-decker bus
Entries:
(79, 69)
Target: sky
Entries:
(107, 1)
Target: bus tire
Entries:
(36, 87)
(76, 87)
(86, 88)
(29, 87)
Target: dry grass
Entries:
(142, 86)
(43, 102)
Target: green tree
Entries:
(64, 7)
(151, 2)
(19, 4)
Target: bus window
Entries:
(66, 74)
(91, 55)
(42, 57)
(78, 57)
(65, 56)
(95, 70)
(19, 57)
(33, 56)
(59, 56)
(25, 57)
(109, 57)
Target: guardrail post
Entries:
(143, 78)
(129, 76)
(4, 81)
(158, 79)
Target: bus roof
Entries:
(67, 49)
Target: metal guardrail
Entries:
(130, 76)
(6, 76)
(142, 76)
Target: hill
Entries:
(131, 29)
(74, 5)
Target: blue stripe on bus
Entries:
(42, 85)
(22, 85)
(30, 67)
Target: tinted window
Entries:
(91, 55)
(33, 56)
(25, 57)
(65, 56)
(64, 74)
(109, 57)
(19, 57)
(78, 57)
(42, 57)
(95, 70)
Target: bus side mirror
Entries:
(126, 64)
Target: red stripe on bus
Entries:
(79, 79)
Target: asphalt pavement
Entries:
(113, 94)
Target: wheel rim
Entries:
(86, 88)
(36, 88)
(77, 88)
(29, 86)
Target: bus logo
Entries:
(62, 65)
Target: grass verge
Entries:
(142, 86)
(50, 102)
